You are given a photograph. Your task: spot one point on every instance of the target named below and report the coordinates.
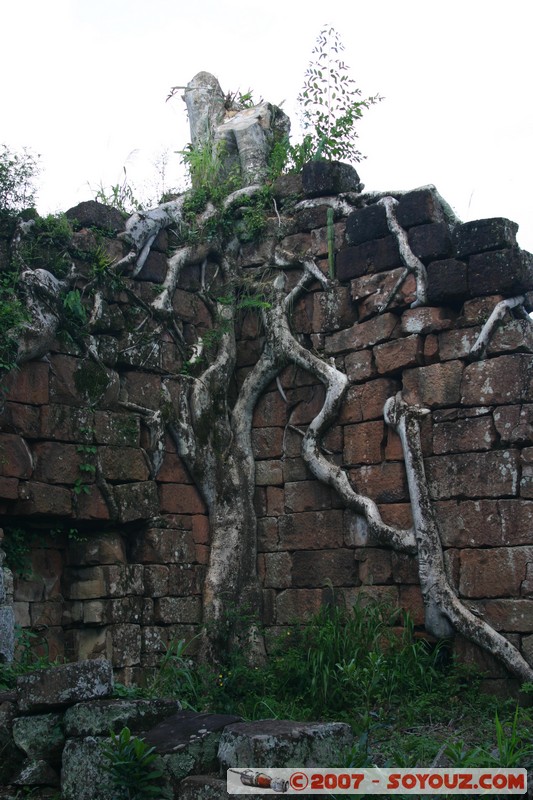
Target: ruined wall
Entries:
(120, 540)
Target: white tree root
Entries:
(498, 312)
(444, 610)
(411, 262)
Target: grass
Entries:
(406, 700)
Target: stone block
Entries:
(92, 505)
(56, 462)
(478, 310)
(123, 645)
(374, 565)
(156, 580)
(277, 570)
(514, 336)
(200, 529)
(319, 241)
(267, 534)
(457, 343)
(511, 615)
(466, 474)
(496, 233)
(362, 334)
(399, 354)
(367, 258)
(507, 271)
(83, 773)
(404, 568)
(359, 366)
(498, 381)
(278, 743)
(464, 435)
(154, 268)
(28, 383)
(40, 736)
(141, 388)
(267, 442)
(275, 499)
(435, 385)
(313, 568)
(173, 610)
(90, 214)
(383, 483)
(269, 473)
(136, 501)
(15, 457)
(411, 600)
(9, 488)
(365, 401)
(64, 685)
(470, 523)
(426, 319)
(89, 643)
(270, 411)
(391, 289)
(66, 423)
(307, 496)
(430, 242)
(123, 463)
(366, 224)
(21, 418)
(37, 499)
(121, 430)
(363, 443)
(321, 178)
(99, 548)
(496, 572)
(333, 310)
(98, 717)
(447, 282)
(185, 579)
(311, 530)
(514, 424)
(418, 208)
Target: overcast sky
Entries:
(84, 84)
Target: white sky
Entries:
(84, 84)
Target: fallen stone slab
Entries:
(64, 685)
(83, 771)
(98, 717)
(188, 742)
(282, 743)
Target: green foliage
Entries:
(330, 103)
(46, 245)
(132, 767)
(31, 653)
(13, 317)
(74, 307)
(18, 172)
(16, 544)
(120, 195)
(512, 749)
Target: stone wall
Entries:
(120, 539)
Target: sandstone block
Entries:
(498, 572)
(267, 442)
(512, 615)
(9, 488)
(311, 568)
(454, 476)
(496, 233)
(15, 457)
(363, 443)
(457, 343)
(383, 483)
(310, 530)
(478, 310)
(366, 224)
(41, 498)
(498, 381)
(435, 385)
(100, 716)
(365, 401)
(123, 644)
(464, 435)
(100, 548)
(268, 473)
(374, 565)
(447, 282)
(430, 242)
(320, 178)
(508, 271)
(332, 310)
(83, 774)
(123, 464)
(362, 334)
(269, 743)
(66, 423)
(137, 501)
(364, 259)
(172, 610)
(277, 569)
(270, 411)
(307, 496)
(64, 685)
(39, 736)
(391, 289)
(417, 208)
(359, 366)
(28, 383)
(426, 319)
(399, 354)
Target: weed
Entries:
(132, 768)
(27, 657)
(18, 172)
